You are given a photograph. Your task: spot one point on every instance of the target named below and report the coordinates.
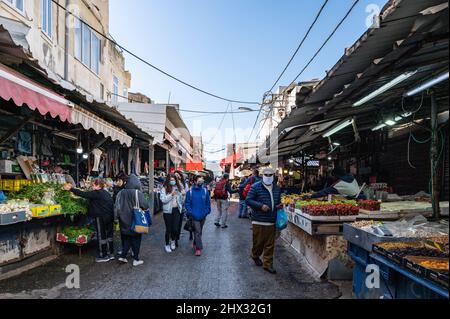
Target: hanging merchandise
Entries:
(24, 143)
(46, 146)
(97, 157)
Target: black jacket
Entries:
(125, 203)
(100, 203)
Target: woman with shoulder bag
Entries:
(124, 207)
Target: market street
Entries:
(224, 271)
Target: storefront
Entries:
(379, 114)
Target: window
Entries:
(46, 17)
(87, 46)
(125, 93)
(18, 4)
(115, 89)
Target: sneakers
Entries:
(217, 224)
(258, 262)
(173, 246)
(102, 259)
(137, 263)
(111, 257)
(168, 249)
(198, 252)
(270, 270)
(123, 260)
(224, 226)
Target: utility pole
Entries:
(434, 159)
(151, 175)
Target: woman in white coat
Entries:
(172, 196)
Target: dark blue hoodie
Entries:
(198, 203)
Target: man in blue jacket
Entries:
(198, 206)
(265, 199)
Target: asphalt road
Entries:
(224, 271)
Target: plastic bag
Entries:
(282, 219)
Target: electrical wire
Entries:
(187, 110)
(150, 64)
(220, 125)
(314, 57)
(301, 43)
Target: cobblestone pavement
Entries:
(223, 271)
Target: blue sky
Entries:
(233, 48)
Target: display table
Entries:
(398, 210)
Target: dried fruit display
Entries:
(434, 264)
(364, 223)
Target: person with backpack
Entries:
(172, 196)
(242, 204)
(123, 211)
(246, 185)
(221, 196)
(198, 207)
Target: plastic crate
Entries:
(40, 211)
(55, 210)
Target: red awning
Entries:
(230, 160)
(14, 86)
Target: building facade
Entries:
(70, 49)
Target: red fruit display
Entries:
(370, 205)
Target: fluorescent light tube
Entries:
(336, 144)
(390, 122)
(385, 87)
(379, 127)
(338, 128)
(428, 84)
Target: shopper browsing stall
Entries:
(123, 211)
(101, 209)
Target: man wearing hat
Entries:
(265, 199)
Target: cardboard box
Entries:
(55, 210)
(40, 211)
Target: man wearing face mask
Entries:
(265, 199)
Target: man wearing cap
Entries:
(344, 184)
(222, 194)
(265, 199)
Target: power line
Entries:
(301, 43)
(317, 53)
(220, 125)
(186, 110)
(151, 65)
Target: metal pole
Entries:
(167, 162)
(151, 175)
(66, 43)
(434, 160)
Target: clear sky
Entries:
(232, 48)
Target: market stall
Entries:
(411, 255)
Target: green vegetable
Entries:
(70, 204)
(75, 232)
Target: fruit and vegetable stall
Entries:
(31, 217)
(411, 257)
(317, 228)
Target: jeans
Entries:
(222, 211)
(242, 208)
(172, 222)
(104, 227)
(198, 230)
(133, 242)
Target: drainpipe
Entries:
(66, 43)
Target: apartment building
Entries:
(70, 50)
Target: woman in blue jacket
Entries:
(198, 206)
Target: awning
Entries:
(100, 126)
(16, 87)
(151, 118)
(232, 159)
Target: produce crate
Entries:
(80, 240)
(12, 218)
(388, 254)
(438, 276)
(55, 210)
(40, 211)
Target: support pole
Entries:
(434, 159)
(151, 174)
(167, 162)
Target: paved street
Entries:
(224, 271)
